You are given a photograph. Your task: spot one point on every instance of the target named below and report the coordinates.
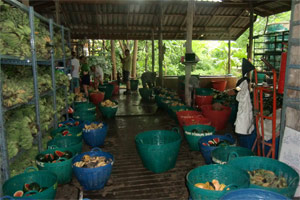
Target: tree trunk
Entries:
(146, 56)
(103, 46)
(134, 58)
(93, 47)
(113, 60)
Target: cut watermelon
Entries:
(65, 132)
(26, 187)
(59, 153)
(60, 125)
(18, 193)
(76, 123)
(216, 140)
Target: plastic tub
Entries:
(193, 138)
(93, 178)
(145, 93)
(109, 112)
(204, 91)
(206, 150)
(219, 85)
(70, 131)
(85, 115)
(232, 177)
(250, 163)
(107, 89)
(44, 178)
(222, 155)
(218, 118)
(96, 137)
(96, 97)
(203, 100)
(196, 120)
(84, 106)
(253, 194)
(134, 85)
(158, 149)
(62, 169)
(71, 143)
(181, 115)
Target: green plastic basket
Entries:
(232, 177)
(204, 91)
(145, 93)
(251, 163)
(193, 138)
(62, 169)
(107, 89)
(70, 143)
(73, 131)
(222, 155)
(85, 106)
(172, 110)
(134, 85)
(109, 112)
(85, 115)
(44, 178)
(158, 149)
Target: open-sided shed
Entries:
(138, 19)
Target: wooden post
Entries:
(250, 47)
(25, 2)
(93, 47)
(113, 60)
(160, 46)
(189, 38)
(134, 58)
(229, 56)
(57, 11)
(153, 51)
(146, 56)
(89, 48)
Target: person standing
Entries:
(98, 75)
(85, 79)
(75, 73)
(126, 70)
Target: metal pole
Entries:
(250, 47)
(65, 68)
(53, 73)
(35, 81)
(160, 45)
(4, 167)
(189, 38)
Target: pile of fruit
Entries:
(15, 35)
(92, 161)
(108, 103)
(55, 157)
(29, 189)
(267, 178)
(93, 126)
(80, 98)
(70, 124)
(216, 142)
(176, 103)
(213, 185)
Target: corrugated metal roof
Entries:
(136, 19)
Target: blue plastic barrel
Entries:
(253, 194)
(93, 178)
(206, 150)
(96, 137)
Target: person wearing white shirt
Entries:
(75, 73)
(98, 75)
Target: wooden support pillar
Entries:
(134, 58)
(189, 38)
(25, 2)
(93, 47)
(113, 60)
(153, 51)
(89, 48)
(229, 57)
(146, 56)
(57, 11)
(250, 46)
(160, 46)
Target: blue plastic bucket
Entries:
(93, 178)
(253, 194)
(206, 150)
(96, 137)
